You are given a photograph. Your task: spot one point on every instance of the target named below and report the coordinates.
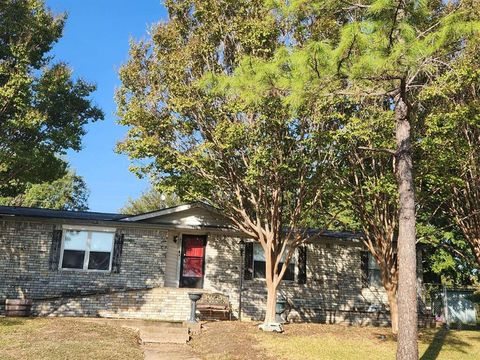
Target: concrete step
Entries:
(163, 335)
(152, 332)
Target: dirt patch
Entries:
(229, 340)
(243, 340)
(339, 331)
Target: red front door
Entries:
(193, 261)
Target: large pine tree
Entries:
(393, 50)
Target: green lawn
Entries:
(440, 345)
(65, 338)
(316, 341)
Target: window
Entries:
(259, 265)
(370, 271)
(87, 249)
(374, 276)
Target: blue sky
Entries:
(95, 45)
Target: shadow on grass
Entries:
(435, 346)
(441, 338)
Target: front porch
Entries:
(167, 304)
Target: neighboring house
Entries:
(95, 264)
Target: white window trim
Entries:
(89, 229)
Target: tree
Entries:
(367, 189)
(387, 50)
(150, 200)
(453, 124)
(208, 139)
(304, 72)
(447, 257)
(67, 193)
(393, 50)
(42, 109)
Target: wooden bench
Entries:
(214, 306)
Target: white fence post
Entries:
(445, 301)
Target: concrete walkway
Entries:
(169, 352)
(160, 340)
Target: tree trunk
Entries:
(271, 288)
(407, 347)
(271, 303)
(392, 302)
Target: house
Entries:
(73, 263)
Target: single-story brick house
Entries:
(73, 263)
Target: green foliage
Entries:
(222, 108)
(206, 137)
(150, 200)
(447, 258)
(43, 109)
(449, 155)
(67, 193)
(159, 82)
(394, 40)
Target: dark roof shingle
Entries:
(58, 214)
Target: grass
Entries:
(433, 345)
(70, 338)
(317, 341)
(65, 338)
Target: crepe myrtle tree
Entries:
(367, 187)
(196, 134)
(259, 166)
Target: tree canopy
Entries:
(150, 200)
(70, 192)
(43, 109)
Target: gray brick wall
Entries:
(333, 292)
(24, 263)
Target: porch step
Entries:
(150, 331)
(163, 335)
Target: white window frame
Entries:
(293, 261)
(86, 259)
